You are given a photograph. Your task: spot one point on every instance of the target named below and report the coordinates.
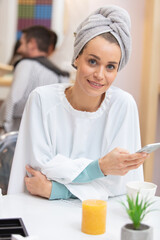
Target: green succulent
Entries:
(137, 209)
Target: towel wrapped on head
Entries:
(111, 19)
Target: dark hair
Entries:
(53, 39)
(16, 46)
(43, 36)
(15, 56)
(108, 36)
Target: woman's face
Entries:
(97, 66)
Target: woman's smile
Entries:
(95, 84)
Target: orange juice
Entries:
(94, 216)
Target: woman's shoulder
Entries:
(51, 90)
(50, 94)
(121, 99)
(120, 95)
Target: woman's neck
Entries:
(82, 102)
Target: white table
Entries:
(61, 219)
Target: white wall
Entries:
(8, 25)
(57, 22)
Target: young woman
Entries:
(81, 140)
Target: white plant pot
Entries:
(129, 233)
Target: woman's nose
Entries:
(99, 73)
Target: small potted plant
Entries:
(137, 209)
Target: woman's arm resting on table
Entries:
(39, 185)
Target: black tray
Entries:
(9, 226)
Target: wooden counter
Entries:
(6, 80)
(5, 69)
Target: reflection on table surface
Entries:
(61, 219)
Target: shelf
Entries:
(6, 80)
(5, 69)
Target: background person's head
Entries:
(109, 19)
(37, 41)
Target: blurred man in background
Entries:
(34, 69)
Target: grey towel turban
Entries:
(111, 19)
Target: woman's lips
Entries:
(95, 84)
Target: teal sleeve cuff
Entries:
(59, 191)
(91, 172)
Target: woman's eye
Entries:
(92, 61)
(111, 66)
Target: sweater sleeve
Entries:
(16, 95)
(91, 172)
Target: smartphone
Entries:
(149, 148)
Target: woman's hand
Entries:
(120, 162)
(38, 184)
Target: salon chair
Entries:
(7, 147)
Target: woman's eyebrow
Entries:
(112, 62)
(94, 56)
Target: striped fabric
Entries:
(27, 76)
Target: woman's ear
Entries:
(76, 63)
